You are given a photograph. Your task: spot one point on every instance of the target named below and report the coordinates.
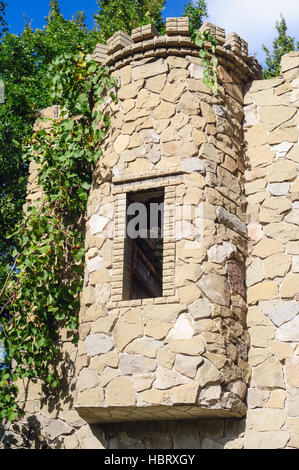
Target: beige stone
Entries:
(277, 399)
(292, 371)
(173, 91)
(266, 290)
(179, 120)
(293, 425)
(166, 378)
(207, 374)
(127, 328)
(131, 364)
(189, 104)
(156, 84)
(165, 357)
(266, 98)
(143, 382)
(266, 420)
(113, 395)
(157, 329)
(217, 359)
(165, 110)
(266, 440)
(187, 365)
(290, 285)
(153, 397)
(130, 90)
(189, 294)
(274, 116)
(185, 394)
(282, 350)
(163, 313)
(255, 273)
(256, 136)
(109, 359)
(177, 75)
(261, 336)
(87, 379)
(199, 137)
(267, 247)
(103, 325)
(277, 265)
(192, 347)
(282, 171)
(149, 70)
(287, 132)
(107, 375)
(294, 154)
(269, 374)
(94, 396)
(260, 156)
(146, 346)
(257, 356)
(256, 318)
(121, 143)
(147, 100)
(282, 232)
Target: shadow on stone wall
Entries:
(199, 434)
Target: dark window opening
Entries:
(143, 254)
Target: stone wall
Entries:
(134, 360)
(271, 137)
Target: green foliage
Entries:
(24, 63)
(197, 12)
(44, 292)
(283, 44)
(3, 24)
(125, 15)
(209, 64)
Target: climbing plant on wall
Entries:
(43, 279)
(44, 291)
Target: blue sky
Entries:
(254, 20)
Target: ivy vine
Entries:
(43, 289)
(206, 41)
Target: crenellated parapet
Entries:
(145, 42)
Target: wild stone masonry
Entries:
(222, 343)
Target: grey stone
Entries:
(201, 308)
(131, 364)
(293, 401)
(97, 344)
(210, 395)
(232, 221)
(215, 288)
(192, 164)
(54, 428)
(87, 379)
(289, 331)
(196, 71)
(257, 398)
(97, 223)
(219, 110)
(280, 311)
(278, 189)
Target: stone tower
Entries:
(179, 351)
(192, 334)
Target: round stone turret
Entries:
(163, 307)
